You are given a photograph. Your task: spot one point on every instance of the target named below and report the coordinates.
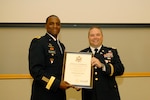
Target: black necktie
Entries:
(96, 50)
(59, 47)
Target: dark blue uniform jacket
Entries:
(45, 66)
(104, 84)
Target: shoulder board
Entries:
(38, 37)
(113, 47)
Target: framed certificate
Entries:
(77, 69)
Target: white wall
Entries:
(76, 11)
(132, 43)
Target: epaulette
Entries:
(113, 47)
(38, 37)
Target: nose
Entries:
(55, 25)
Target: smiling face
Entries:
(95, 37)
(53, 25)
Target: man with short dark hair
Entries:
(45, 63)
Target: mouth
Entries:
(55, 30)
(95, 41)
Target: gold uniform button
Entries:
(95, 73)
(96, 79)
(95, 67)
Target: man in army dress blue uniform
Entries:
(45, 64)
(107, 65)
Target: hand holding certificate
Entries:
(77, 69)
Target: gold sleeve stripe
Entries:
(112, 69)
(49, 84)
(45, 79)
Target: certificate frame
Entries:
(77, 69)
